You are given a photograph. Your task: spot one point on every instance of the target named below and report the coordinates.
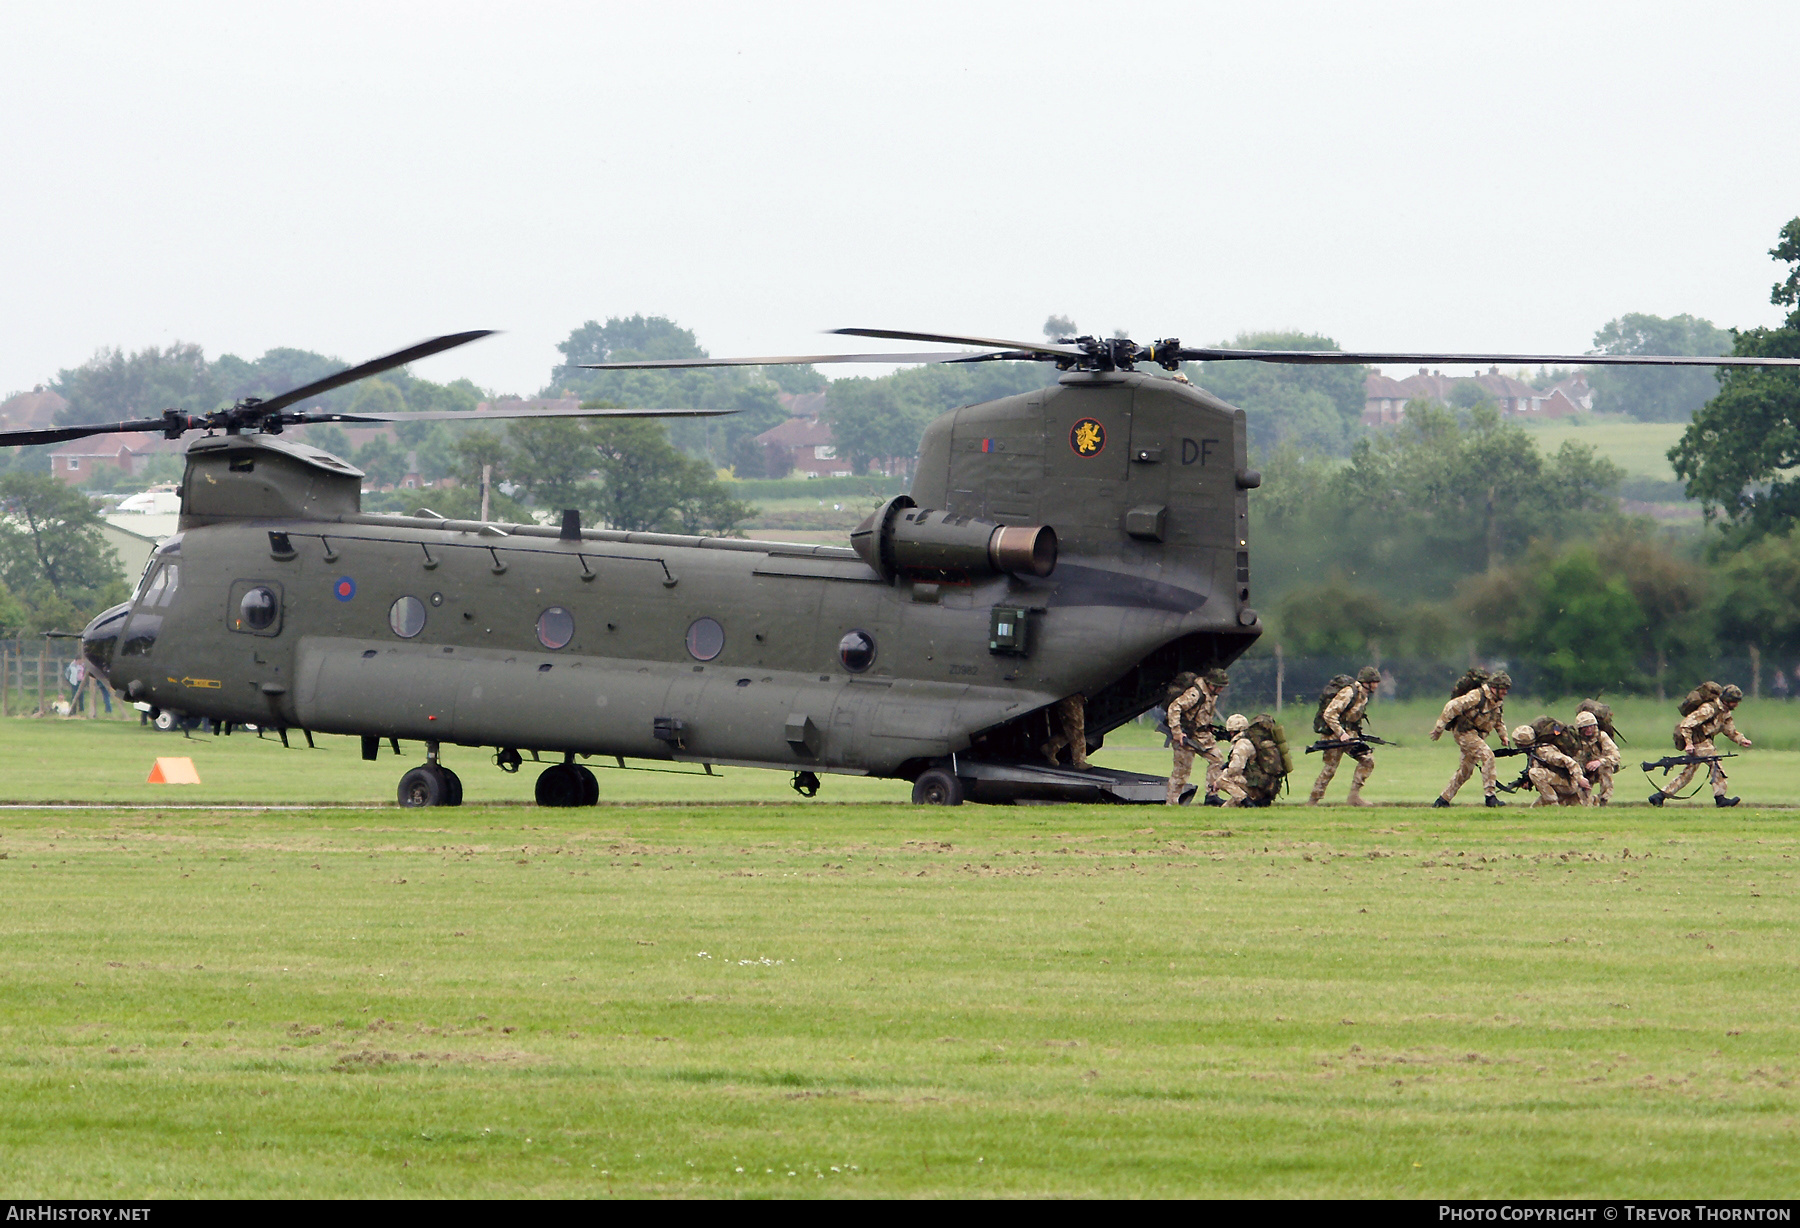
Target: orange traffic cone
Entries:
(174, 772)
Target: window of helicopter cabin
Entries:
(555, 627)
(407, 617)
(857, 651)
(705, 639)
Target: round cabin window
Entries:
(407, 617)
(259, 608)
(857, 651)
(705, 639)
(556, 627)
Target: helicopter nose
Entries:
(102, 635)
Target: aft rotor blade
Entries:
(62, 434)
(790, 360)
(492, 415)
(375, 366)
(1029, 347)
(1195, 354)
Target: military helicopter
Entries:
(1088, 538)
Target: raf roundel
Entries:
(1087, 438)
(344, 589)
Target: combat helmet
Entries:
(1501, 681)
(1216, 676)
(1369, 676)
(1236, 723)
(1524, 735)
(1732, 694)
(1586, 720)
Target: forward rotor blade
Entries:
(375, 366)
(789, 360)
(1341, 357)
(61, 434)
(493, 415)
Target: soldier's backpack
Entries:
(1603, 714)
(1268, 768)
(1474, 677)
(1551, 732)
(1705, 693)
(1326, 695)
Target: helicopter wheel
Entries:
(560, 785)
(428, 786)
(936, 787)
(590, 785)
(455, 786)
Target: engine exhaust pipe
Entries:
(902, 538)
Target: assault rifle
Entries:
(1162, 727)
(1502, 752)
(1675, 761)
(1349, 744)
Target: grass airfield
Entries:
(846, 997)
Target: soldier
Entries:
(1191, 716)
(1600, 756)
(1694, 736)
(1558, 778)
(1069, 717)
(1342, 716)
(1470, 717)
(1231, 781)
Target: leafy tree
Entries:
(1757, 594)
(278, 371)
(1059, 326)
(377, 396)
(646, 484)
(52, 556)
(14, 617)
(113, 385)
(1318, 408)
(868, 419)
(1738, 455)
(1583, 633)
(436, 453)
(1336, 619)
(1656, 394)
(551, 459)
(382, 461)
(330, 438)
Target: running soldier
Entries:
(1341, 720)
(1470, 716)
(1694, 736)
(1231, 781)
(1558, 778)
(1191, 716)
(1599, 755)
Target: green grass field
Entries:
(1641, 449)
(866, 999)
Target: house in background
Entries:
(27, 410)
(1384, 399)
(806, 438)
(77, 461)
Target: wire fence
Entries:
(34, 681)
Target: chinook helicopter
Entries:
(1089, 538)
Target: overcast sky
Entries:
(349, 178)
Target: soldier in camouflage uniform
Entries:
(1342, 716)
(1600, 757)
(1695, 734)
(1470, 718)
(1069, 718)
(1232, 783)
(1191, 716)
(1558, 779)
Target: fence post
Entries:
(5, 681)
(1755, 672)
(43, 653)
(1280, 677)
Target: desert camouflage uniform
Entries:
(1342, 714)
(1069, 719)
(1231, 781)
(1559, 779)
(1698, 729)
(1481, 711)
(1192, 715)
(1600, 760)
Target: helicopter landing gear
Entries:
(567, 784)
(431, 784)
(936, 787)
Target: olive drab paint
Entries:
(1088, 538)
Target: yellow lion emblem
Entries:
(1087, 437)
